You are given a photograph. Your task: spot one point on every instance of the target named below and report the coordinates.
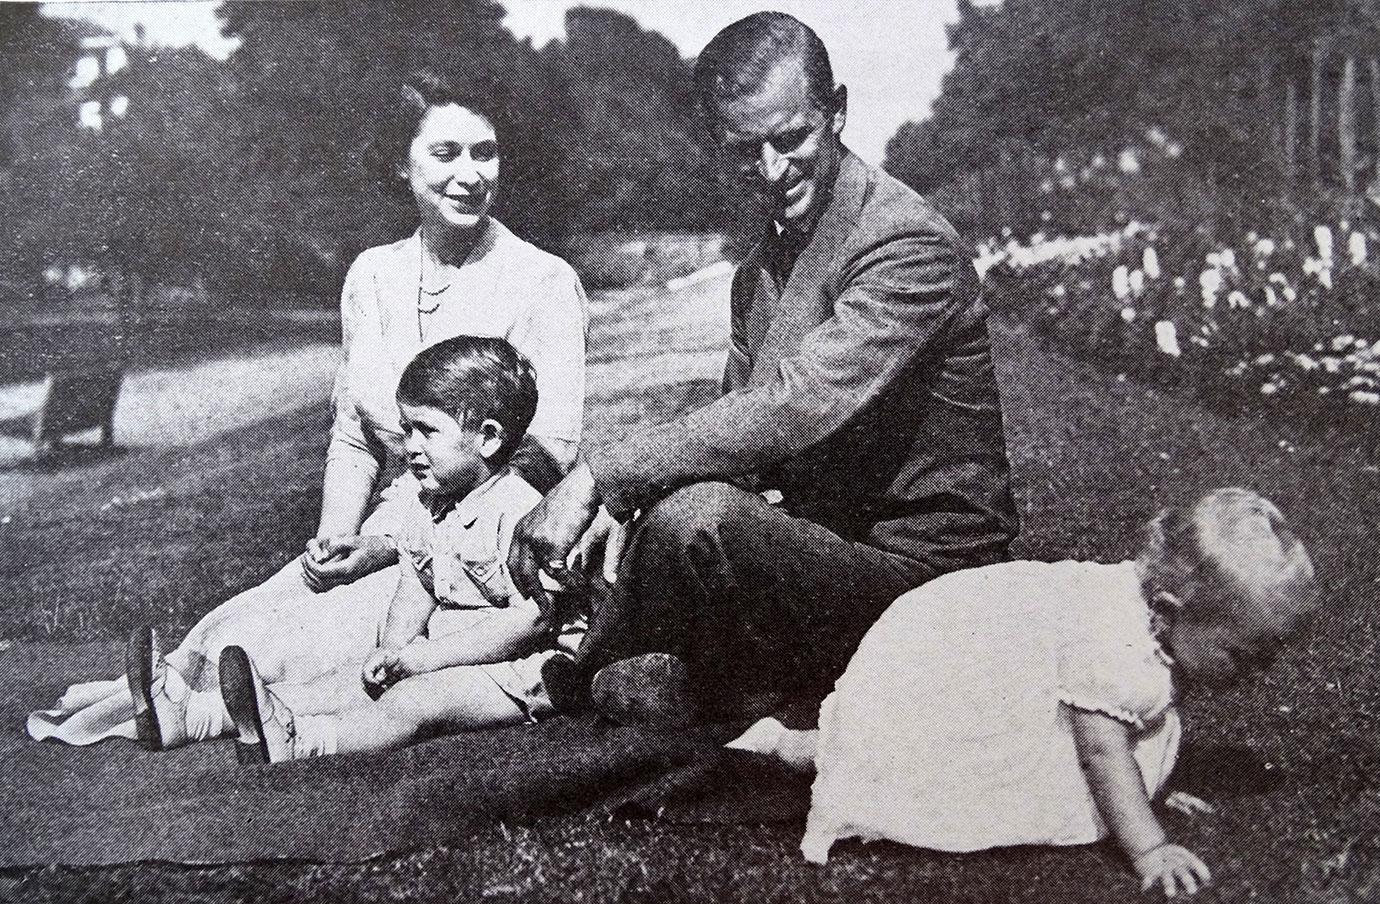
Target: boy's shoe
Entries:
(264, 723)
(651, 690)
(160, 720)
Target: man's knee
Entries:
(694, 514)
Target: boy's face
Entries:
(445, 456)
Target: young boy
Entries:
(461, 649)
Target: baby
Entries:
(1034, 703)
(461, 648)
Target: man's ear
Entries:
(492, 437)
(840, 110)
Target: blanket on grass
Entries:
(118, 803)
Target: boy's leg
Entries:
(336, 691)
(462, 698)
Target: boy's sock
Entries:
(186, 715)
(316, 736)
(206, 716)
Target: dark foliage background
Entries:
(249, 172)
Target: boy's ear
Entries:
(492, 436)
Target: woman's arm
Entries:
(345, 494)
(1104, 751)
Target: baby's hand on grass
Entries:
(1172, 868)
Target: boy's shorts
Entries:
(519, 679)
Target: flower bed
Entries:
(1288, 323)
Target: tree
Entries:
(639, 154)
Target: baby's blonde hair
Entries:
(1233, 548)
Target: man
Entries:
(859, 390)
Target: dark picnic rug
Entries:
(118, 803)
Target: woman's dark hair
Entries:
(472, 378)
(402, 116)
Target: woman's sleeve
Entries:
(351, 446)
(553, 339)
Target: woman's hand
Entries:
(1172, 868)
(332, 561)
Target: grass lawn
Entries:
(1292, 762)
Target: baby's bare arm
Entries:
(1104, 751)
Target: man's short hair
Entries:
(738, 60)
(472, 378)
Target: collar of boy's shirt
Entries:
(468, 509)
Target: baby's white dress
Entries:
(951, 729)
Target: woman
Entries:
(461, 273)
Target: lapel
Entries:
(804, 302)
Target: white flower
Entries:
(1263, 360)
(1264, 247)
(1127, 161)
(1357, 249)
(1180, 283)
(1137, 283)
(1228, 258)
(1238, 299)
(1269, 389)
(1121, 283)
(1323, 237)
(1150, 263)
(1128, 314)
(1365, 397)
(1210, 281)
(1271, 299)
(1167, 338)
(1343, 341)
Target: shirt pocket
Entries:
(490, 576)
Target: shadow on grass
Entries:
(59, 458)
(1221, 770)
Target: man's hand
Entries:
(376, 669)
(606, 537)
(332, 561)
(546, 535)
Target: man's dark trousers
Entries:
(761, 605)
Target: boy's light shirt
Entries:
(460, 548)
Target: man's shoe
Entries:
(566, 684)
(265, 725)
(652, 690)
